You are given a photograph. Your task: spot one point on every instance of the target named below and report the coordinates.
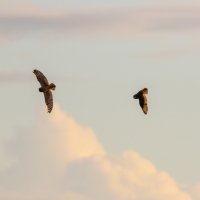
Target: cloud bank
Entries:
(60, 159)
(24, 19)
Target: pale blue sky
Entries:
(96, 77)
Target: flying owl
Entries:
(46, 89)
(141, 95)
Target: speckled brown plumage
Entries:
(46, 89)
(141, 95)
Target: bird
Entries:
(141, 95)
(46, 89)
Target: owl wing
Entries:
(138, 95)
(41, 78)
(143, 103)
(48, 100)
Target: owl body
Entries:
(141, 95)
(46, 89)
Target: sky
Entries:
(97, 144)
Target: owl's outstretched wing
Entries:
(48, 100)
(41, 78)
(143, 103)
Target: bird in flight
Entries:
(46, 89)
(141, 95)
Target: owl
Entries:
(46, 89)
(141, 95)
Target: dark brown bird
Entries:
(46, 89)
(141, 95)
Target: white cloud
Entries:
(58, 159)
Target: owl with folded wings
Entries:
(141, 95)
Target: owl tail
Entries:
(52, 86)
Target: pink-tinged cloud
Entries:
(15, 77)
(58, 159)
(194, 190)
(21, 8)
(23, 19)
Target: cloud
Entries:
(194, 190)
(22, 8)
(23, 19)
(58, 159)
(164, 54)
(15, 77)
(18, 77)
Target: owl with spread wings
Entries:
(46, 89)
(141, 95)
